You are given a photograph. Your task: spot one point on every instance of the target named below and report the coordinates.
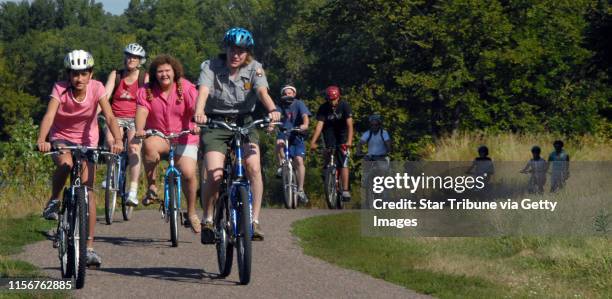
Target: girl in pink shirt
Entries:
(123, 100)
(167, 104)
(71, 119)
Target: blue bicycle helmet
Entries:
(239, 37)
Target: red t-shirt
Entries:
(124, 99)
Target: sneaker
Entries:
(302, 196)
(207, 235)
(93, 259)
(132, 199)
(346, 196)
(258, 235)
(279, 172)
(51, 210)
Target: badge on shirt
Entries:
(248, 85)
(259, 72)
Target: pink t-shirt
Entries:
(124, 99)
(76, 121)
(169, 115)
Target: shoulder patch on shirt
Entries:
(259, 72)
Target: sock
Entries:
(133, 187)
(256, 221)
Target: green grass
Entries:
(14, 234)
(501, 267)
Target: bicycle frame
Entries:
(177, 175)
(238, 180)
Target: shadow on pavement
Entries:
(135, 242)
(173, 274)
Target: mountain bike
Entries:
(332, 182)
(116, 169)
(171, 206)
(288, 173)
(233, 210)
(73, 225)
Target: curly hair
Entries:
(177, 67)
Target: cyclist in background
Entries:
(377, 139)
(167, 104)
(295, 115)
(122, 87)
(335, 121)
(229, 87)
(71, 119)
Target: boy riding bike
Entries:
(71, 119)
(377, 139)
(335, 121)
(295, 115)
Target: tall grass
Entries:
(516, 147)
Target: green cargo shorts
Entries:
(218, 139)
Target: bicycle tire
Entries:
(287, 187)
(294, 197)
(62, 237)
(243, 242)
(331, 192)
(225, 249)
(173, 209)
(80, 228)
(110, 194)
(126, 210)
(339, 188)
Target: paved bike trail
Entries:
(138, 261)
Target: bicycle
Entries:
(73, 226)
(288, 173)
(332, 182)
(232, 215)
(116, 168)
(375, 165)
(171, 206)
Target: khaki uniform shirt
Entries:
(231, 96)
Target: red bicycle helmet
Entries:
(332, 93)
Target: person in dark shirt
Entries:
(335, 121)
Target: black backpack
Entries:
(119, 75)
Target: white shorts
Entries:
(187, 150)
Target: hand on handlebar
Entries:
(140, 134)
(313, 146)
(274, 116)
(200, 118)
(117, 147)
(44, 147)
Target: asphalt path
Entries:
(138, 261)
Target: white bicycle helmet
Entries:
(136, 49)
(78, 60)
(288, 87)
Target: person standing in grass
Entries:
(559, 162)
(537, 167)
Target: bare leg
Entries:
(253, 168)
(214, 175)
(153, 148)
(88, 177)
(301, 171)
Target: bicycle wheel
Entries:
(126, 209)
(339, 188)
(173, 209)
(110, 194)
(79, 237)
(331, 192)
(225, 249)
(288, 193)
(62, 236)
(294, 197)
(243, 242)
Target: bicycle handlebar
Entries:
(83, 149)
(210, 123)
(149, 133)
